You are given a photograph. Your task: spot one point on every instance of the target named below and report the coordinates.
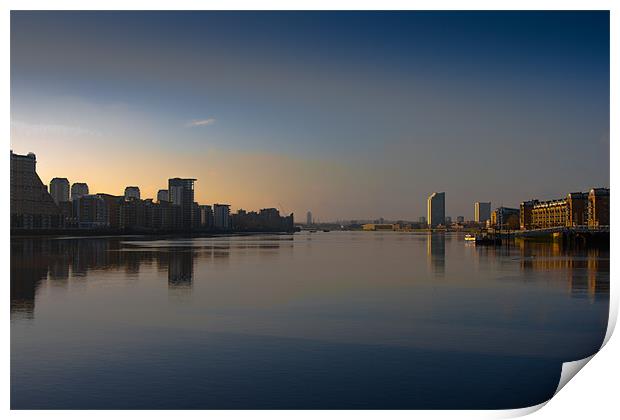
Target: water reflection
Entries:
(586, 271)
(583, 273)
(270, 322)
(36, 261)
(436, 253)
(180, 269)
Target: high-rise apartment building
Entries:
(221, 216)
(482, 211)
(436, 209)
(78, 189)
(59, 190)
(181, 194)
(309, 218)
(162, 195)
(132, 193)
(32, 206)
(206, 216)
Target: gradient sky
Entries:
(348, 114)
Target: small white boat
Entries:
(470, 237)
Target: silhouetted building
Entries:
(66, 209)
(221, 216)
(460, 219)
(32, 207)
(162, 215)
(266, 220)
(206, 217)
(436, 209)
(181, 193)
(195, 215)
(132, 192)
(133, 214)
(309, 218)
(113, 209)
(482, 211)
(162, 195)
(59, 190)
(91, 211)
(78, 189)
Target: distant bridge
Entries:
(574, 234)
(564, 229)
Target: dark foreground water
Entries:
(324, 320)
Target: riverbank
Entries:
(108, 233)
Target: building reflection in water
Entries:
(587, 269)
(54, 262)
(28, 270)
(59, 261)
(180, 268)
(436, 253)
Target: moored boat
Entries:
(483, 239)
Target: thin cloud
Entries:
(65, 130)
(200, 123)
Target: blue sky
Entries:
(348, 114)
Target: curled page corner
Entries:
(613, 316)
(570, 369)
(520, 412)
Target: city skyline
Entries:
(81, 188)
(318, 122)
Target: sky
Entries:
(352, 115)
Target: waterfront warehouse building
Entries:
(436, 209)
(576, 209)
(598, 207)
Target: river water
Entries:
(311, 320)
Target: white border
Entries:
(592, 394)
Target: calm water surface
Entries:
(323, 320)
